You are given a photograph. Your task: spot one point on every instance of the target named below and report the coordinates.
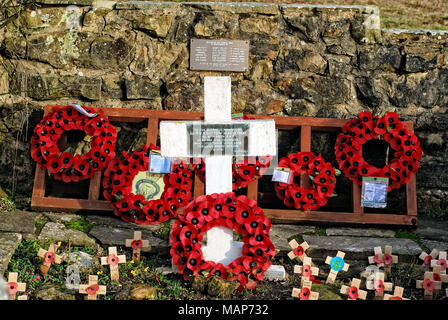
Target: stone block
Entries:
(57, 232)
(8, 245)
(141, 87)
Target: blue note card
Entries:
(159, 164)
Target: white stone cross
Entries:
(262, 137)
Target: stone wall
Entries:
(320, 61)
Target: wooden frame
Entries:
(307, 125)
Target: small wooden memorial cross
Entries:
(298, 250)
(379, 285)
(438, 276)
(385, 259)
(337, 264)
(261, 137)
(306, 270)
(353, 292)
(92, 289)
(14, 287)
(305, 292)
(137, 244)
(398, 294)
(428, 257)
(429, 285)
(440, 261)
(113, 260)
(49, 257)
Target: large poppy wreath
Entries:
(63, 165)
(323, 180)
(223, 209)
(117, 184)
(251, 169)
(404, 143)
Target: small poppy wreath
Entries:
(117, 184)
(235, 212)
(404, 143)
(322, 174)
(63, 165)
(251, 169)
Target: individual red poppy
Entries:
(112, 259)
(306, 270)
(436, 277)
(298, 251)
(305, 294)
(442, 264)
(396, 298)
(391, 118)
(378, 285)
(92, 289)
(387, 259)
(380, 127)
(49, 257)
(246, 172)
(193, 261)
(81, 165)
(218, 270)
(353, 292)
(123, 205)
(427, 260)
(428, 284)
(53, 164)
(13, 287)
(66, 160)
(377, 259)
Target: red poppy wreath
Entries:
(223, 209)
(251, 169)
(63, 165)
(356, 132)
(323, 176)
(117, 184)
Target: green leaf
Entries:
(337, 172)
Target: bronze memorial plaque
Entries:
(219, 55)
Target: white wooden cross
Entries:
(262, 137)
(398, 294)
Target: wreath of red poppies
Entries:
(235, 212)
(301, 198)
(251, 169)
(404, 143)
(63, 165)
(117, 184)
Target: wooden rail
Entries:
(307, 126)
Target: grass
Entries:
(402, 14)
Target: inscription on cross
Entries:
(218, 147)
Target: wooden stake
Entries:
(428, 257)
(440, 261)
(353, 292)
(379, 285)
(398, 294)
(337, 264)
(49, 257)
(137, 244)
(298, 250)
(92, 289)
(429, 285)
(14, 286)
(305, 292)
(306, 271)
(113, 260)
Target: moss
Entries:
(411, 236)
(79, 224)
(40, 222)
(327, 291)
